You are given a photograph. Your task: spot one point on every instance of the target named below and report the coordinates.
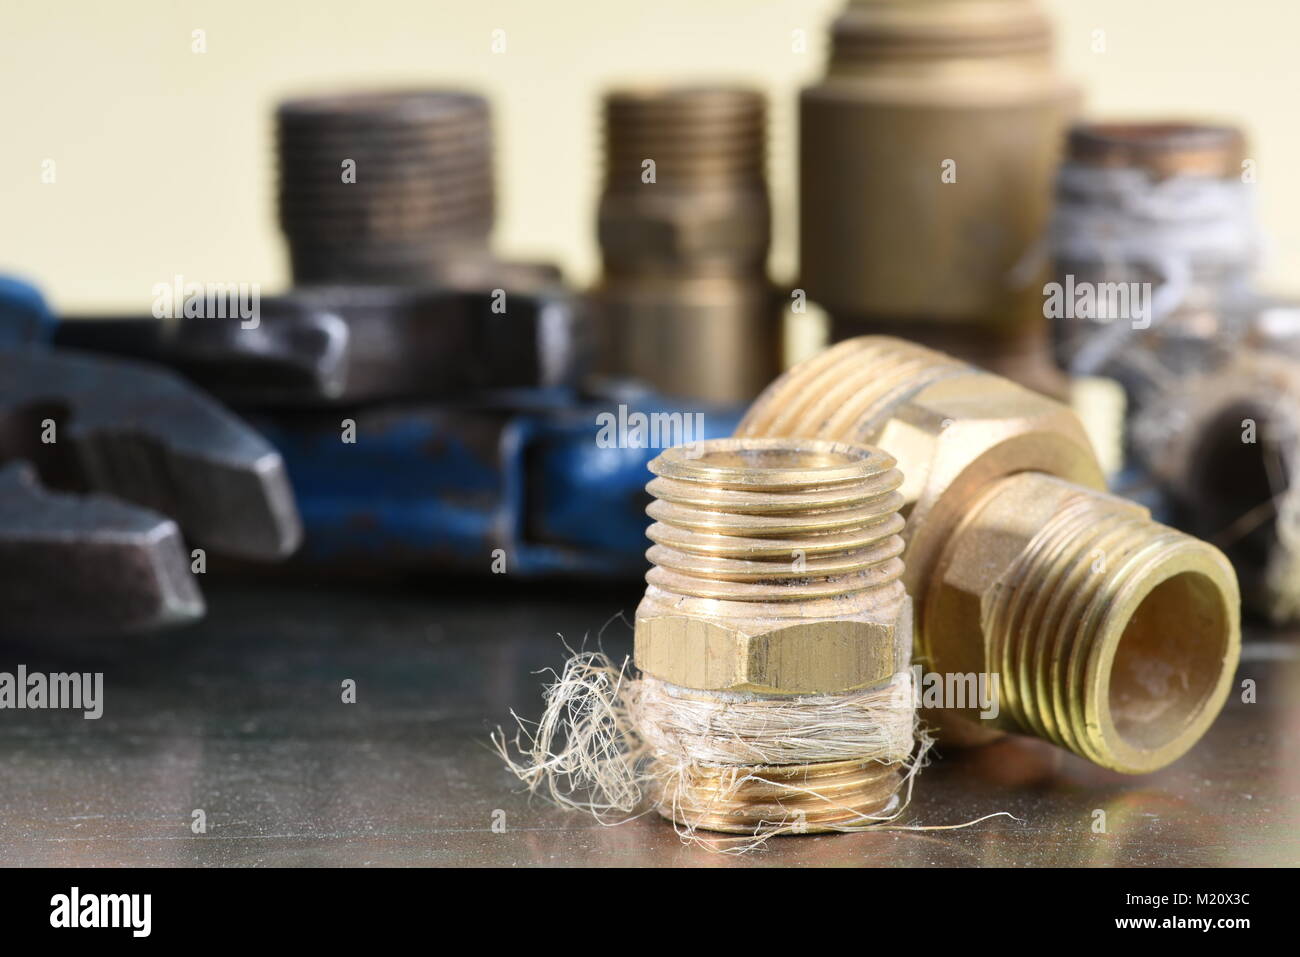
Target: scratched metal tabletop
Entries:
(242, 717)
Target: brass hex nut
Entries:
(992, 423)
(682, 229)
(959, 433)
(808, 655)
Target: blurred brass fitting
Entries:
(1226, 445)
(926, 162)
(776, 572)
(418, 197)
(1160, 149)
(393, 188)
(1111, 635)
(1109, 168)
(684, 226)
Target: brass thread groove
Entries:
(762, 570)
(711, 504)
(1052, 629)
(845, 388)
(868, 534)
(763, 521)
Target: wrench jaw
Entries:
(261, 520)
(292, 352)
(146, 436)
(88, 565)
(146, 455)
(240, 505)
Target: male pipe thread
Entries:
(1110, 634)
(684, 301)
(417, 202)
(776, 573)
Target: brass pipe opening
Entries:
(1167, 679)
(1109, 633)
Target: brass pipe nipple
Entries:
(776, 576)
(684, 224)
(1112, 635)
(774, 521)
(792, 545)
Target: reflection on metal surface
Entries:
(242, 718)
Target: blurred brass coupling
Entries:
(684, 226)
(385, 186)
(927, 154)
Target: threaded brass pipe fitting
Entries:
(701, 208)
(417, 201)
(776, 576)
(684, 301)
(926, 161)
(1110, 634)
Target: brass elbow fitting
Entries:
(776, 573)
(1110, 634)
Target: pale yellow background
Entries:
(163, 156)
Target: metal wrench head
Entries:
(144, 436)
(87, 564)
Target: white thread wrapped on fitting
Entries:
(682, 725)
(615, 746)
(776, 585)
(1173, 227)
